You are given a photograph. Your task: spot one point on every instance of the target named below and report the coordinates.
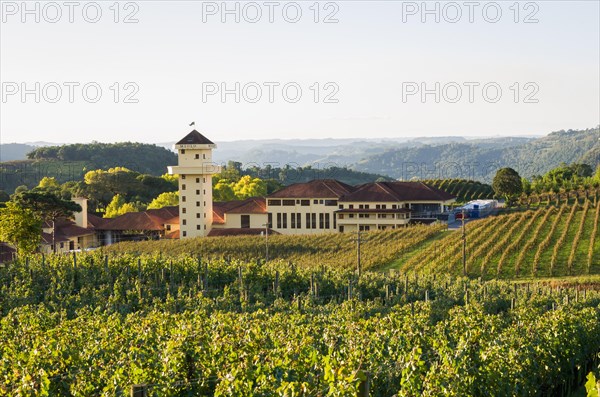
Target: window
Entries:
(197, 227)
(341, 216)
(198, 191)
(184, 222)
(183, 210)
(183, 199)
(278, 220)
(274, 202)
(182, 176)
(383, 206)
(203, 180)
(204, 227)
(182, 151)
(297, 201)
(381, 216)
(350, 215)
(308, 221)
(334, 225)
(289, 202)
(394, 206)
(313, 220)
(184, 233)
(198, 215)
(321, 221)
(270, 220)
(341, 229)
(197, 180)
(341, 206)
(315, 201)
(327, 225)
(197, 156)
(245, 221)
(168, 227)
(284, 221)
(298, 221)
(204, 156)
(305, 203)
(330, 203)
(364, 228)
(205, 215)
(204, 203)
(320, 201)
(183, 186)
(203, 191)
(197, 203)
(293, 226)
(351, 206)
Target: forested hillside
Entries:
(479, 161)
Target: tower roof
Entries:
(195, 138)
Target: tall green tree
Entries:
(507, 183)
(20, 227)
(48, 206)
(164, 200)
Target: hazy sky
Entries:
(369, 66)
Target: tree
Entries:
(48, 183)
(4, 197)
(20, 227)
(249, 187)
(48, 206)
(223, 190)
(507, 183)
(118, 206)
(164, 200)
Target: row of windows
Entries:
(377, 206)
(197, 190)
(379, 216)
(304, 202)
(197, 156)
(324, 221)
(184, 211)
(197, 179)
(183, 200)
(184, 233)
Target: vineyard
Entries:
(545, 242)
(185, 326)
(464, 190)
(337, 250)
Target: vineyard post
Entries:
(106, 263)
(387, 293)
(576, 294)
(206, 276)
(312, 285)
(241, 280)
(365, 385)
(426, 295)
(74, 260)
(349, 289)
(276, 284)
(266, 225)
(464, 244)
(512, 303)
(466, 297)
(406, 286)
(139, 263)
(139, 390)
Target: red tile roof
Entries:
(195, 138)
(252, 205)
(134, 221)
(396, 191)
(95, 221)
(238, 232)
(172, 235)
(320, 188)
(165, 212)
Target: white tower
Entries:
(195, 172)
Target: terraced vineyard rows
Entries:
(329, 249)
(546, 242)
(464, 190)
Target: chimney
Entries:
(81, 218)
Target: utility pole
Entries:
(464, 245)
(359, 240)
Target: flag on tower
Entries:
(192, 123)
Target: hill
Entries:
(14, 151)
(480, 159)
(70, 162)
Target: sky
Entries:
(144, 70)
